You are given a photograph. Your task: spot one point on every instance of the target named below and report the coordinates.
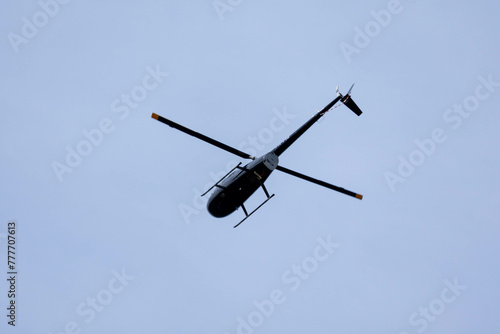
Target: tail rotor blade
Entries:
(349, 91)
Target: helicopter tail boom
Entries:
(345, 99)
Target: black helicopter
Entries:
(242, 181)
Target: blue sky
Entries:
(111, 235)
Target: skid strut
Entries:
(245, 210)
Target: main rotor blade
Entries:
(202, 137)
(319, 182)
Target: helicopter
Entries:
(234, 188)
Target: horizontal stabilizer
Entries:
(349, 103)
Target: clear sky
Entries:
(111, 236)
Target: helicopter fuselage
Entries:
(238, 186)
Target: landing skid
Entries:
(245, 210)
